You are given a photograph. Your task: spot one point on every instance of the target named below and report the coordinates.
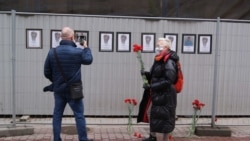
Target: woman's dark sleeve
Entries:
(169, 77)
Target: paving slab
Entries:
(114, 130)
(221, 131)
(16, 131)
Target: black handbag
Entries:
(75, 89)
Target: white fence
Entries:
(114, 75)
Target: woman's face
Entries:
(161, 47)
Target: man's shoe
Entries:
(150, 138)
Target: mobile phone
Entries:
(82, 38)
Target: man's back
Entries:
(70, 59)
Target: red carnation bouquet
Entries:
(197, 106)
(131, 104)
(137, 49)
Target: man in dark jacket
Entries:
(70, 59)
(160, 98)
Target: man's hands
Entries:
(85, 43)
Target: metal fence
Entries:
(219, 79)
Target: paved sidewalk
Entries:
(118, 132)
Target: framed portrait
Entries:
(34, 38)
(148, 42)
(55, 36)
(205, 44)
(79, 35)
(174, 40)
(123, 41)
(106, 40)
(188, 43)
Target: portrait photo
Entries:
(80, 36)
(188, 43)
(123, 42)
(174, 40)
(55, 38)
(205, 44)
(106, 41)
(148, 42)
(34, 38)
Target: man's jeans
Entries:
(77, 106)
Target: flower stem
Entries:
(129, 127)
(144, 78)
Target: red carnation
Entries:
(137, 48)
(134, 101)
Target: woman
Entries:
(163, 96)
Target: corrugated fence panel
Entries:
(234, 78)
(114, 76)
(5, 62)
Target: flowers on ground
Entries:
(197, 106)
(131, 104)
(137, 49)
(170, 137)
(138, 135)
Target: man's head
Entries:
(67, 34)
(188, 38)
(123, 38)
(106, 38)
(204, 40)
(163, 44)
(57, 36)
(148, 39)
(171, 38)
(33, 35)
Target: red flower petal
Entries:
(170, 137)
(134, 101)
(137, 48)
(127, 100)
(139, 136)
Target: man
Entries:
(188, 41)
(123, 39)
(33, 36)
(70, 59)
(204, 42)
(106, 38)
(57, 36)
(159, 99)
(148, 40)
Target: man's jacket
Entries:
(70, 59)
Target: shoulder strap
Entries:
(59, 66)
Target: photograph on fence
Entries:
(55, 38)
(80, 36)
(174, 40)
(148, 42)
(34, 38)
(205, 43)
(188, 43)
(123, 41)
(106, 41)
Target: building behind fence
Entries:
(115, 75)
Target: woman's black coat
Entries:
(162, 94)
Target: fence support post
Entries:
(13, 35)
(214, 101)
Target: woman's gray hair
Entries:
(166, 42)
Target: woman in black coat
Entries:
(163, 96)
